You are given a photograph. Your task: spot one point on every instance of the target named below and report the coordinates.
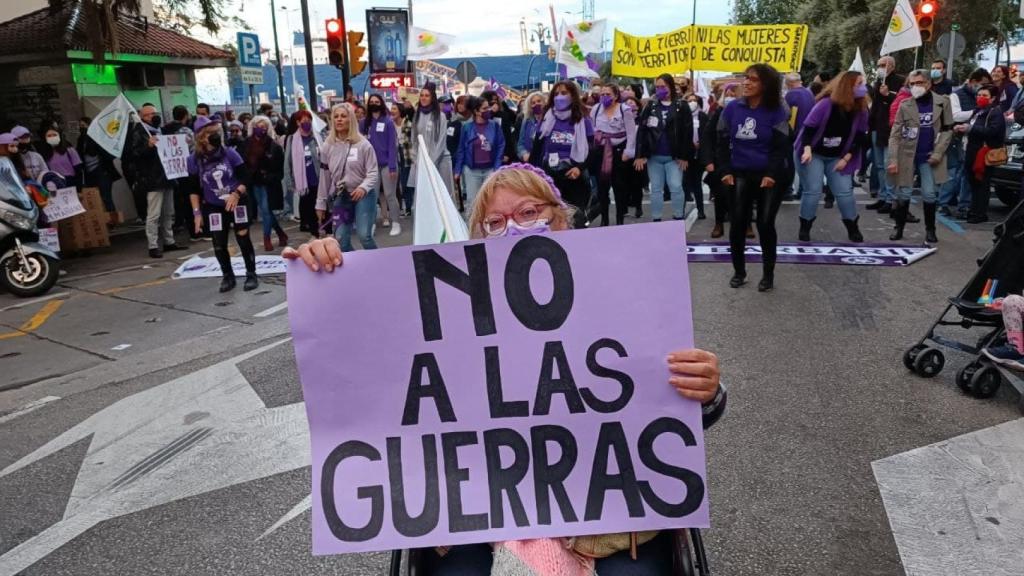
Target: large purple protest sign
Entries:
(500, 390)
(819, 253)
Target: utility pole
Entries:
(346, 67)
(309, 52)
(277, 50)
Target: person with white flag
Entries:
(902, 32)
(425, 44)
(110, 128)
(573, 55)
(588, 34)
(436, 219)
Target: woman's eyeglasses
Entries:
(526, 216)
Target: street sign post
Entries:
(952, 45)
(250, 62)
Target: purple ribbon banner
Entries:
(835, 254)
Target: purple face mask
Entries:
(537, 109)
(486, 114)
(259, 131)
(563, 102)
(661, 92)
(606, 100)
(860, 91)
(306, 125)
(514, 229)
(446, 108)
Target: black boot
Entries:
(929, 223)
(767, 283)
(249, 257)
(738, 280)
(853, 231)
(227, 283)
(909, 216)
(224, 259)
(805, 229)
(899, 212)
(251, 283)
(886, 208)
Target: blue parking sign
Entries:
(249, 50)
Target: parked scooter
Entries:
(27, 268)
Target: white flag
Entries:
(573, 56)
(110, 128)
(436, 219)
(589, 35)
(425, 44)
(903, 32)
(858, 63)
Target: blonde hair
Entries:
(260, 119)
(524, 183)
(353, 135)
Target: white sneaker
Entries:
(396, 229)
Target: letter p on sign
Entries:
(249, 50)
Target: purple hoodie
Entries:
(384, 139)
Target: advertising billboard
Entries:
(388, 42)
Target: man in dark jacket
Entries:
(149, 179)
(883, 94)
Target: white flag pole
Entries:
(424, 157)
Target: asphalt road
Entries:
(185, 452)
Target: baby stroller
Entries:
(1003, 262)
(689, 557)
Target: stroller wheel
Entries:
(965, 375)
(929, 362)
(985, 382)
(910, 356)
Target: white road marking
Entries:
(30, 407)
(271, 311)
(957, 507)
(299, 508)
(34, 301)
(120, 347)
(202, 432)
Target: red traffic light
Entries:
(927, 8)
(333, 26)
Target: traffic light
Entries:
(335, 45)
(355, 53)
(926, 13)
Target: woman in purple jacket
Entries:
(754, 158)
(380, 131)
(831, 140)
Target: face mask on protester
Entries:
(513, 228)
(563, 102)
(446, 108)
(375, 108)
(155, 120)
(983, 101)
(918, 91)
(53, 140)
(727, 100)
(661, 92)
(259, 131)
(537, 109)
(607, 101)
(936, 74)
(693, 106)
(486, 114)
(306, 125)
(882, 72)
(860, 91)
(214, 140)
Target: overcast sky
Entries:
(489, 27)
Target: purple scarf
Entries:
(818, 118)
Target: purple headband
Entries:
(538, 172)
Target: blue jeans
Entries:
(800, 186)
(879, 160)
(954, 163)
(407, 191)
(365, 214)
(662, 169)
(904, 193)
(472, 180)
(822, 168)
(267, 218)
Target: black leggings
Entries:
(307, 213)
(720, 195)
(575, 193)
(617, 182)
(692, 182)
(745, 196)
(220, 243)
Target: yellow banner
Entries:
(713, 48)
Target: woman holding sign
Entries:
(664, 145)
(348, 180)
(520, 199)
(754, 158)
(219, 200)
(831, 141)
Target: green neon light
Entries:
(92, 74)
(85, 55)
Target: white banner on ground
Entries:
(110, 128)
(173, 150)
(63, 204)
(209, 268)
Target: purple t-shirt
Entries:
(65, 164)
(483, 149)
(560, 141)
(216, 174)
(926, 133)
(312, 164)
(751, 131)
